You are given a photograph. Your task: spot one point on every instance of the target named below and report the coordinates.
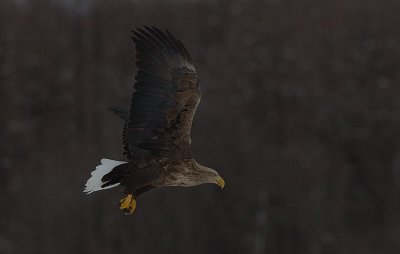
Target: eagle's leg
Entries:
(128, 204)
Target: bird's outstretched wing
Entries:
(165, 98)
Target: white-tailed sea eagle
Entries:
(156, 133)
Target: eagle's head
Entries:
(197, 174)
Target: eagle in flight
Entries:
(156, 132)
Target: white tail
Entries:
(94, 183)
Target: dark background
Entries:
(300, 114)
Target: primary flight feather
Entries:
(156, 133)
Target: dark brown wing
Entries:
(165, 98)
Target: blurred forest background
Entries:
(300, 113)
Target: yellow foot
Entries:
(128, 204)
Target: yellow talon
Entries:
(125, 202)
(128, 204)
(132, 207)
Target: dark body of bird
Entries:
(156, 133)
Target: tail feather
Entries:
(95, 182)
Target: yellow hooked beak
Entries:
(220, 181)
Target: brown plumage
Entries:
(156, 133)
